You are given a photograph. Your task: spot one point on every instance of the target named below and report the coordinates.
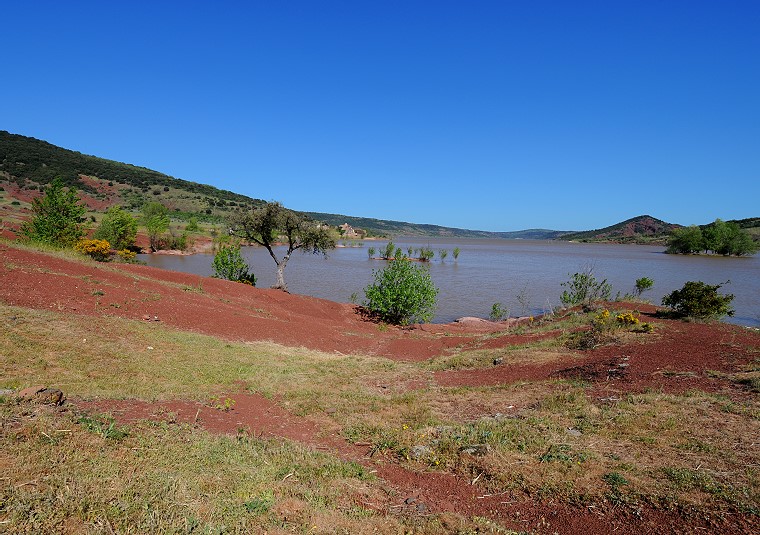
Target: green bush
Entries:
(402, 293)
(584, 289)
(58, 217)
(498, 312)
(192, 225)
(155, 217)
(118, 228)
(229, 264)
(699, 300)
(642, 285)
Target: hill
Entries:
(400, 228)
(28, 164)
(640, 229)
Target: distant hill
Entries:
(28, 164)
(641, 229)
(401, 228)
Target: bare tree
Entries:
(273, 222)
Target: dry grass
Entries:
(119, 358)
(544, 438)
(695, 450)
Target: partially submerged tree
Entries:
(272, 222)
(58, 217)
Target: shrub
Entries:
(584, 289)
(402, 293)
(192, 225)
(229, 264)
(58, 217)
(456, 252)
(627, 318)
(426, 254)
(699, 300)
(642, 285)
(387, 253)
(370, 252)
(118, 228)
(97, 249)
(155, 217)
(498, 312)
(126, 255)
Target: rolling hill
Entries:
(640, 229)
(28, 164)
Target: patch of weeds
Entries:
(97, 292)
(224, 405)
(751, 382)
(589, 339)
(260, 504)
(105, 426)
(197, 288)
(697, 445)
(688, 479)
(615, 480)
(562, 453)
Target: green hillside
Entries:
(32, 163)
(386, 227)
(28, 164)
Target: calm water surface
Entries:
(490, 271)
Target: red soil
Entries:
(679, 360)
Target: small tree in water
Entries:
(273, 221)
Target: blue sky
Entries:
(486, 115)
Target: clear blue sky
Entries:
(497, 115)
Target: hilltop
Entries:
(640, 229)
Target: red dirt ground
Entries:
(680, 360)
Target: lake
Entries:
(490, 271)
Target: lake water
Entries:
(490, 271)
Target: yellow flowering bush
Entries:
(602, 320)
(97, 249)
(627, 318)
(126, 255)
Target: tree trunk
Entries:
(280, 284)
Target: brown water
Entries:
(490, 271)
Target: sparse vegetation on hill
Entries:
(39, 161)
(641, 229)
